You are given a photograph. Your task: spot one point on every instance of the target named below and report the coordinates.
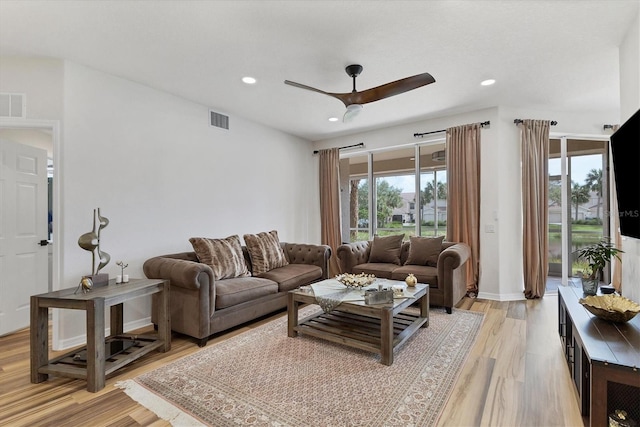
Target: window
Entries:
(393, 193)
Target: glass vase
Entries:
(589, 286)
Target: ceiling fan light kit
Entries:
(352, 111)
(354, 100)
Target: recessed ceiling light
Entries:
(249, 80)
(333, 119)
(487, 82)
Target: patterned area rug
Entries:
(264, 378)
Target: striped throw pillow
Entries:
(265, 252)
(224, 256)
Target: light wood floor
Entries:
(514, 376)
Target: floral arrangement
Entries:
(356, 280)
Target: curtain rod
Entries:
(416, 135)
(345, 147)
(518, 121)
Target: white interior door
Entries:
(23, 227)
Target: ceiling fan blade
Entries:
(352, 111)
(340, 96)
(301, 86)
(386, 90)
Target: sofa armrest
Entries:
(300, 253)
(452, 273)
(193, 292)
(453, 257)
(352, 254)
(182, 273)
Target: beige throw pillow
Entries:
(224, 256)
(424, 251)
(265, 251)
(386, 249)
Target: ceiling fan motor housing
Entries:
(353, 70)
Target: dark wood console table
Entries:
(603, 358)
(97, 364)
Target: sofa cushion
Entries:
(231, 292)
(386, 249)
(424, 251)
(423, 273)
(293, 275)
(378, 269)
(265, 252)
(224, 256)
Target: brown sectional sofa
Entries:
(201, 306)
(447, 280)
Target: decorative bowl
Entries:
(614, 308)
(356, 280)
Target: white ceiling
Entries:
(558, 55)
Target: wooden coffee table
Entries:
(375, 328)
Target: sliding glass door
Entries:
(581, 216)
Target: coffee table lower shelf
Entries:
(359, 331)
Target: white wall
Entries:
(629, 104)
(501, 266)
(160, 174)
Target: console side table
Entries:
(603, 359)
(97, 364)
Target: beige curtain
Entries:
(616, 278)
(534, 137)
(463, 198)
(330, 204)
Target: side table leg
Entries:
(386, 336)
(117, 321)
(95, 344)
(292, 315)
(39, 340)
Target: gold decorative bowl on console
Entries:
(614, 308)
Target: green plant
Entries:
(597, 255)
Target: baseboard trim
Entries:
(501, 297)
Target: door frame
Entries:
(54, 127)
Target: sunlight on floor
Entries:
(553, 283)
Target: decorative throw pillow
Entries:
(424, 251)
(265, 251)
(386, 249)
(224, 256)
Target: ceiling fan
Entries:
(354, 100)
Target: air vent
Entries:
(13, 105)
(218, 120)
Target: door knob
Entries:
(43, 242)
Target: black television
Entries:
(625, 148)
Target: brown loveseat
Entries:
(201, 306)
(447, 279)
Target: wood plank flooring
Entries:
(515, 375)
